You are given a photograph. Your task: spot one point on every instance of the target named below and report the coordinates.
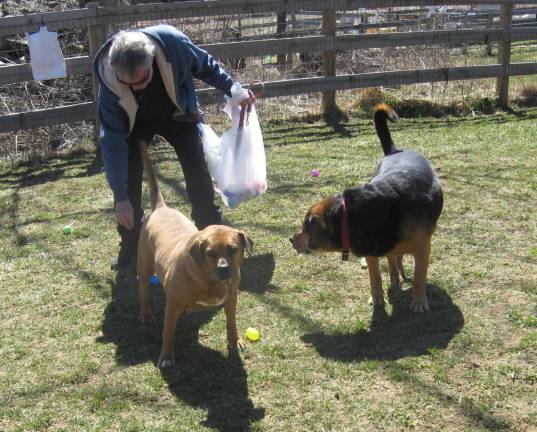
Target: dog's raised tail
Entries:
(154, 191)
(381, 114)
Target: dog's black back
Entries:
(403, 196)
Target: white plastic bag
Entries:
(236, 160)
(211, 147)
(46, 56)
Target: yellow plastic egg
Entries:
(252, 334)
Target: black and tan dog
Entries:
(392, 215)
(197, 269)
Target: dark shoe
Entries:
(126, 258)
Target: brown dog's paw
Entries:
(419, 306)
(166, 362)
(239, 345)
(376, 300)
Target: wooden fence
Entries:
(96, 17)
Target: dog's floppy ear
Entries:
(196, 252)
(246, 241)
(316, 232)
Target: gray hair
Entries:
(129, 50)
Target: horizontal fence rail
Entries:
(23, 72)
(387, 79)
(81, 65)
(191, 9)
(47, 117)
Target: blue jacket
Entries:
(179, 61)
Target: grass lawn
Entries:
(74, 356)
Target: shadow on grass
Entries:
(478, 413)
(284, 135)
(256, 273)
(290, 135)
(96, 165)
(26, 175)
(21, 239)
(203, 377)
(32, 175)
(46, 172)
(400, 335)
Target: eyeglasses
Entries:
(147, 77)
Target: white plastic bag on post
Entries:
(46, 56)
(237, 162)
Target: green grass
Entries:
(74, 356)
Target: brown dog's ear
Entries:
(316, 231)
(196, 253)
(247, 242)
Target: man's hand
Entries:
(246, 108)
(247, 102)
(124, 214)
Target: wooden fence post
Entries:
(281, 29)
(329, 65)
(96, 37)
(364, 22)
(504, 55)
(490, 24)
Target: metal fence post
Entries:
(96, 37)
(504, 55)
(329, 64)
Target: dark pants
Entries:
(185, 139)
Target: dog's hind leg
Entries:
(171, 315)
(419, 295)
(230, 307)
(401, 268)
(396, 270)
(377, 293)
(146, 313)
(145, 271)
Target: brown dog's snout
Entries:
(299, 241)
(223, 269)
(295, 239)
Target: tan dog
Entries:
(197, 269)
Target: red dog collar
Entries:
(344, 231)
